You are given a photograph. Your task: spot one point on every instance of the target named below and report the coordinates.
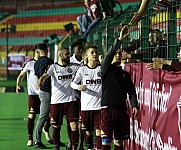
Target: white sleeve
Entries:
(77, 79)
(74, 86)
(26, 67)
(50, 70)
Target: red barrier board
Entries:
(158, 126)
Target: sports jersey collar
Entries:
(62, 65)
(93, 67)
(76, 58)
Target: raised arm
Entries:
(112, 50)
(106, 63)
(159, 63)
(137, 15)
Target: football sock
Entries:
(118, 147)
(30, 126)
(75, 139)
(89, 141)
(56, 137)
(106, 147)
(98, 142)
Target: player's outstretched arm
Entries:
(158, 63)
(154, 65)
(137, 15)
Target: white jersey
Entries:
(32, 80)
(91, 77)
(73, 59)
(61, 77)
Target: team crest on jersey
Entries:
(99, 74)
(69, 70)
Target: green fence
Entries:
(162, 25)
(158, 34)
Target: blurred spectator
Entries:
(97, 14)
(100, 58)
(86, 18)
(157, 47)
(161, 4)
(144, 4)
(170, 65)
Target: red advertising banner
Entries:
(15, 61)
(158, 126)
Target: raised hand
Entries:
(124, 33)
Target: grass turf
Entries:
(11, 83)
(13, 122)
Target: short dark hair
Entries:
(41, 46)
(93, 46)
(77, 44)
(61, 49)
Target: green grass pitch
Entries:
(13, 123)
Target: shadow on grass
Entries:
(11, 119)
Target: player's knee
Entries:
(83, 127)
(79, 18)
(118, 142)
(89, 133)
(32, 116)
(106, 141)
(56, 126)
(74, 126)
(98, 132)
(80, 125)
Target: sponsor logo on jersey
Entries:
(93, 81)
(65, 77)
(69, 70)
